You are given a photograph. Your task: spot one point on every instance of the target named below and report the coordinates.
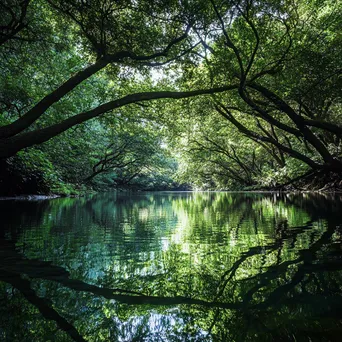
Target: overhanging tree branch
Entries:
(297, 120)
(11, 146)
(40, 108)
(295, 154)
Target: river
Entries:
(168, 266)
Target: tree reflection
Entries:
(212, 266)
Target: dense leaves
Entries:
(78, 79)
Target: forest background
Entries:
(170, 95)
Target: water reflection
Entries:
(172, 267)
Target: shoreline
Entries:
(32, 197)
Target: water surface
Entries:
(172, 267)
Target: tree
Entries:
(13, 19)
(272, 71)
(132, 151)
(219, 157)
(158, 41)
(269, 47)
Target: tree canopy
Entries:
(88, 93)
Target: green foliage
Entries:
(31, 172)
(280, 119)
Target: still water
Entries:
(172, 267)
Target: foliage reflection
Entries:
(172, 266)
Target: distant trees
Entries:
(127, 156)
